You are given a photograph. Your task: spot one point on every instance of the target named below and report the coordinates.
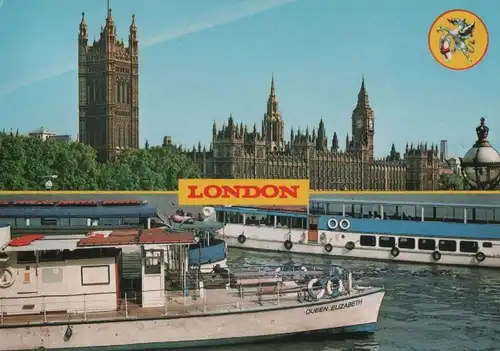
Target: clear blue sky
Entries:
(201, 60)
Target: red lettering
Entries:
(243, 191)
(192, 192)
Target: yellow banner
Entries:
(243, 192)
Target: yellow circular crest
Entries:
(458, 39)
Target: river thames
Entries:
(426, 307)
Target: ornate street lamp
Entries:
(481, 164)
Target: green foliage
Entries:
(453, 182)
(25, 161)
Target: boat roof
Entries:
(146, 211)
(398, 203)
(72, 203)
(102, 239)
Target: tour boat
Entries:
(423, 232)
(64, 293)
(76, 216)
(50, 217)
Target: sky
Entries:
(202, 60)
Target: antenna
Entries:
(107, 8)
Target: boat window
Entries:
(130, 221)
(426, 244)
(298, 223)
(444, 214)
(487, 245)
(108, 222)
(283, 222)
(49, 256)
(408, 212)
(483, 215)
(386, 241)
(353, 210)
(367, 240)
(7, 221)
(49, 221)
(26, 257)
(20, 222)
(447, 245)
(369, 210)
(219, 215)
(90, 253)
(335, 209)
(78, 222)
(152, 264)
(391, 212)
(469, 246)
(429, 213)
(93, 222)
(406, 243)
(496, 215)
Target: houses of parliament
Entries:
(108, 73)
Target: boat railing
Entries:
(105, 306)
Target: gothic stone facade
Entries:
(236, 152)
(108, 85)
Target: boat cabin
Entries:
(68, 273)
(405, 210)
(43, 216)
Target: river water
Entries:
(426, 307)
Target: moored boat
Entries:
(423, 232)
(71, 298)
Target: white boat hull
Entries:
(354, 313)
(272, 239)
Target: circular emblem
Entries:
(7, 276)
(458, 39)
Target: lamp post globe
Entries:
(481, 164)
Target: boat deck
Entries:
(214, 301)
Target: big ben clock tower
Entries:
(363, 125)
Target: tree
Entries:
(453, 182)
(25, 163)
(155, 168)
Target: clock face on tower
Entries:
(359, 123)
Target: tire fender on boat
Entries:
(9, 277)
(337, 291)
(350, 246)
(436, 255)
(395, 251)
(333, 223)
(344, 224)
(242, 238)
(328, 247)
(288, 244)
(310, 289)
(480, 257)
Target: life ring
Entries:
(242, 239)
(436, 255)
(480, 257)
(395, 251)
(328, 247)
(310, 289)
(344, 224)
(335, 292)
(7, 277)
(333, 223)
(350, 246)
(288, 244)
